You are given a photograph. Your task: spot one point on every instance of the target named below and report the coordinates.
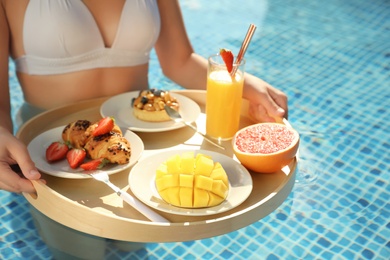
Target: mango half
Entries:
(190, 181)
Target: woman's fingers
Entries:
(259, 113)
(280, 100)
(21, 156)
(268, 105)
(11, 181)
(14, 152)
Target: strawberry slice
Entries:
(56, 151)
(75, 157)
(94, 164)
(228, 58)
(105, 125)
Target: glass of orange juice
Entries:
(223, 101)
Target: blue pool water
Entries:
(332, 58)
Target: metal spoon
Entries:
(175, 116)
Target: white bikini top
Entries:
(61, 36)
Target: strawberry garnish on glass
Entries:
(228, 58)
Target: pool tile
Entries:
(332, 58)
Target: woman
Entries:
(89, 49)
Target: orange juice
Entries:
(223, 103)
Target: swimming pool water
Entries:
(332, 58)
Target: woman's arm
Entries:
(175, 53)
(12, 151)
(5, 108)
(179, 63)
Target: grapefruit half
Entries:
(266, 147)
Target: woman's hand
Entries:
(13, 151)
(266, 103)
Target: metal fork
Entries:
(135, 203)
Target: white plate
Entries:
(37, 149)
(142, 184)
(120, 108)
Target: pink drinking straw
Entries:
(244, 46)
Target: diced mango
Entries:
(161, 170)
(214, 199)
(173, 164)
(185, 181)
(219, 188)
(201, 198)
(219, 174)
(203, 182)
(186, 197)
(174, 195)
(199, 155)
(187, 163)
(167, 181)
(204, 165)
(164, 194)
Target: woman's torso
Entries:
(47, 91)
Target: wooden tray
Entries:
(91, 207)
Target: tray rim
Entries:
(75, 215)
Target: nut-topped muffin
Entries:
(149, 105)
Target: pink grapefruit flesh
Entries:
(266, 147)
